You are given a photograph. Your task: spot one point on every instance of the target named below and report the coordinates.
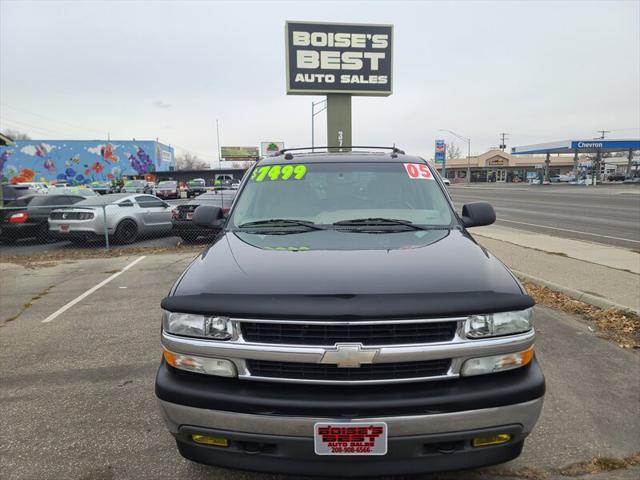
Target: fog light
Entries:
(207, 440)
(496, 363)
(211, 366)
(494, 440)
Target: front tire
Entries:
(126, 232)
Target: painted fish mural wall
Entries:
(80, 162)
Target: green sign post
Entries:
(338, 60)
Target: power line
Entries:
(24, 125)
(50, 119)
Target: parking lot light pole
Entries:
(464, 139)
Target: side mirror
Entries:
(207, 216)
(478, 214)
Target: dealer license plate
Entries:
(190, 216)
(366, 438)
(64, 227)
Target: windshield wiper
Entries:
(376, 222)
(284, 222)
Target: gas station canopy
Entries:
(574, 146)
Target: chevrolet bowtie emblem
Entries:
(349, 355)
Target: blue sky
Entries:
(540, 71)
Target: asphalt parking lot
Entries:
(77, 374)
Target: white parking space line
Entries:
(567, 230)
(63, 309)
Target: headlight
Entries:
(496, 363)
(215, 328)
(497, 324)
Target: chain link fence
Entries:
(40, 223)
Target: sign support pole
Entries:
(339, 121)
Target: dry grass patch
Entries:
(599, 464)
(619, 326)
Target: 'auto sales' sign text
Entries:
(339, 58)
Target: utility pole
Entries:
(602, 133)
(503, 144)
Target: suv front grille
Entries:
(371, 334)
(374, 371)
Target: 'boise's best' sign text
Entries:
(339, 58)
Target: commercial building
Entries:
(78, 162)
(499, 166)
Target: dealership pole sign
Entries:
(339, 58)
(440, 151)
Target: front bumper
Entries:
(430, 425)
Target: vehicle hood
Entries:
(447, 276)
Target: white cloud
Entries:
(95, 150)
(29, 150)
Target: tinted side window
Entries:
(149, 202)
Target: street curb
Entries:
(575, 294)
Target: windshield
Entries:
(195, 183)
(328, 193)
(167, 184)
(134, 183)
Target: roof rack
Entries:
(394, 150)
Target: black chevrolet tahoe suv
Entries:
(345, 323)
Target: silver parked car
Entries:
(128, 217)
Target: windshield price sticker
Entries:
(279, 172)
(350, 438)
(418, 171)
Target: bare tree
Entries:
(453, 151)
(241, 164)
(189, 161)
(16, 135)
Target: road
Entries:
(77, 391)
(608, 214)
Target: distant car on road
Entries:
(134, 186)
(567, 178)
(183, 225)
(616, 177)
(168, 189)
(128, 217)
(28, 217)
